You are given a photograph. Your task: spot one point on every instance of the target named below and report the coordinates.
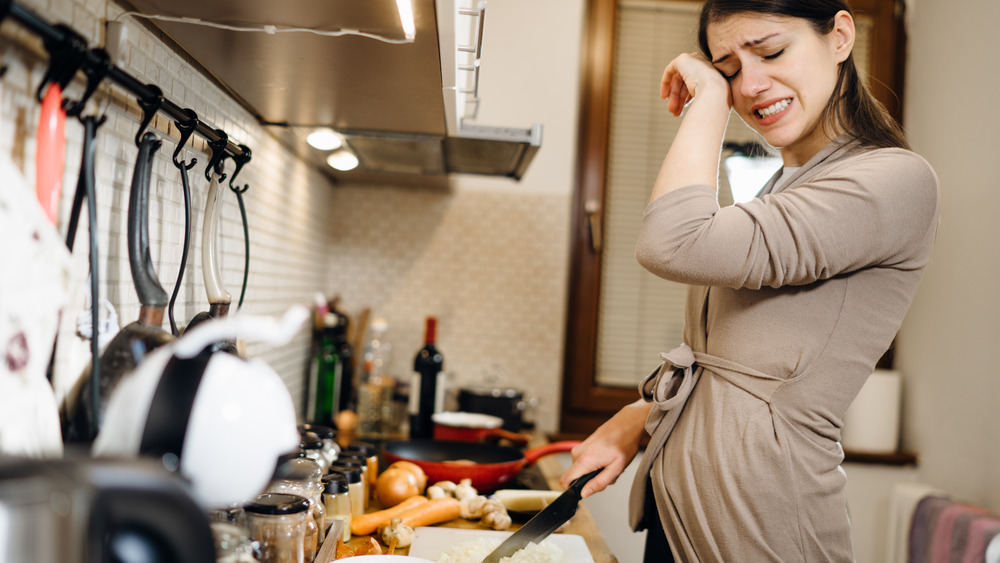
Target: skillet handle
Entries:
(151, 293)
(531, 455)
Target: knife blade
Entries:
(545, 522)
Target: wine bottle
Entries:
(423, 387)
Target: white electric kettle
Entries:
(219, 420)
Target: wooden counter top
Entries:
(582, 524)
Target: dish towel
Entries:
(947, 531)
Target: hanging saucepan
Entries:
(145, 334)
(489, 467)
(219, 299)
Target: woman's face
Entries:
(781, 74)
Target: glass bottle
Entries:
(277, 523)
(424, 400)
(337, 499)
(375, 385)
(328, 370)
(312, 446)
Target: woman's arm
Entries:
(693, 157)
(612, 446)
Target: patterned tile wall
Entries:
(490, 264)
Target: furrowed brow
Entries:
(751, 43)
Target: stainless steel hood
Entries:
(401, 108)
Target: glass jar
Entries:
(356, 488)
(301, 477)
(277, 522)
(233, 543)
(370, 453)
(336, 497)
(312, 446)
(331, 449)
(356, 460)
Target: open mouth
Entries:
(772, 109)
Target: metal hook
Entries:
(65, 58)
(150, 105)
(187, 129)
(240, 160)
(218, 155)
(95, 75)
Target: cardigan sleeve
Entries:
(878, 208)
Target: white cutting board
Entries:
(430, 542)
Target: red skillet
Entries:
(489, 466)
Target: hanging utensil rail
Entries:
(93, 63)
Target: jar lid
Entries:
(365, 448)
(324, 432)
(352, 459)
(298, 469)
(335, 483)
(276, 504)
(310, 441)
(352, 473)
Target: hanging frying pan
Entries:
(145, 334)
(50, 149)
(219, 299)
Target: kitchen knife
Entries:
(545, 522)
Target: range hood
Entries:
(406, 110)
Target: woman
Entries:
(794, 295)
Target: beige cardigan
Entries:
(795, 296)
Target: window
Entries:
(620, 316)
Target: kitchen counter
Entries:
(582, 524)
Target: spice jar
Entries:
(277, 523)
(331, 449)
(337, 499)
(301, 477)
(355, 488)
(347, 458)
(232, 543)
(370, 453)
(312, 446)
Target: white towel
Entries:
(902, 504)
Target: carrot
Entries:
(432, 512)
(371, 522)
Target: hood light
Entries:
(325, 139)
(405, 8)
(342, 160)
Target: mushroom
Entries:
(495, 515)
(465, 489)
(397, 532)
(472, 506)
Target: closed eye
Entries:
(774, 56)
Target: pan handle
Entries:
(151, 293)
(531, 455)
(211, 272)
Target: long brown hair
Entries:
(851, 105)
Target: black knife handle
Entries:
(151, 293)
(579, 482)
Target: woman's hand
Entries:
(612, 446)
(688, 75)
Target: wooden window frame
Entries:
(585, 404)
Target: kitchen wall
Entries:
(490, 257)
(947, 345)
(290, 206)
